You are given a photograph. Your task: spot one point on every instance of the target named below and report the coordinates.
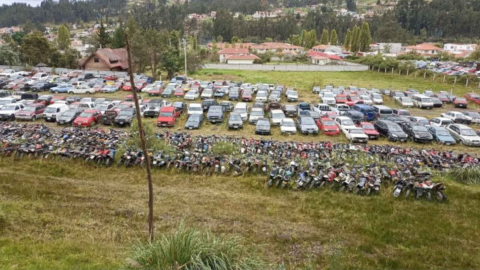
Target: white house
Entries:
(393, 48)
(332, 49)
(241, 59)
(224, 53)
(452, 47)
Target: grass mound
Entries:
(469, 176)
(192, 249)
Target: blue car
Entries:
(62, 88)
(441, 135)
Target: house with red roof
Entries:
(425, 49)
(246, 59)
(106, 59)
(224, 53)
(328, 49)
(321, 58)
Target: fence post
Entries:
(385, 70)
(444, 78)
(378, 69)
(424, 74)
(392, 70)
(466, 83)
(455, 82)
(407, 71)
(434, 75)
(416, 73)
(399, 72)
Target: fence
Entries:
(326, 68)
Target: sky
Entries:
(30, 2)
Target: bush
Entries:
(467, 176)
(192, 249)
(223, 148)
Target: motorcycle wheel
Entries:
(342, 189)
(322, 184)
(356, 191)
(429, 196)
(441, 197)
(418, 195)
(269, 183)
(407, 193)
(369, 190)
(107, 162)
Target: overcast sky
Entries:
(31, 2)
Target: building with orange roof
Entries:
(225, 53)
(425, 49)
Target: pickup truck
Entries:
(215, 114)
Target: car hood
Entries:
(235, 122)
(25, 112)
(371, 132)
(65, 118)
(423, 134)
(165, 118)
(82, 119)
(7, 112)
(446, 138)
(398, 133)
(123, 117)
(191, 123)
(309, 126)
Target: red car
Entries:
(179, 92)
(369, 130)
(57, 98)
(328, 126)
(353, 99)
(247, 96)
(341, 99)
(442, 98)
(155, 91)
(87, 118)
(473, 97)
(460, 103)
(167, 116)
(30, 112)
(111, 78)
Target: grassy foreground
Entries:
(63, 215)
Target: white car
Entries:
(344, 123)
(328, 98)
(418, 120)
(376, 98)
(7, 73)
(355, 135)
(457, 117)
(440, 122)
(81, 89)
(8, 111)
(261, 96)
(191, 95)
(292, 96)
(195, 108)
(405, 101)
(51, 112)
(242, 109)
(340, 109)
(255, 114)
(207, 93)
(464, 134)
(276, 117)
(366, 99)
(7, 101)
(287, 126)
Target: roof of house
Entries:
(243, 57)
(319, 55)
(113, 58)
(233, 51)
(424, 47)
(274, 45)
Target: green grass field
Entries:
(62, 215)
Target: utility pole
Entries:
(185, 55)
(142, 138)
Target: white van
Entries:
(422, 101)
(195, 108)
(242, 109)
(382, 111)
(51, 112)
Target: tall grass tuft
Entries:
(191, 249)
(223, 148)
(467, 176)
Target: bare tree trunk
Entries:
(144, 147)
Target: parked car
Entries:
(247, 96)
(436, 102)
(30, 112)
(191, 95)
(390, 130)
(418, 120)
(369, 130)
(125, 117)
(287, 126)
(460, 103)
(457, 117)
(262, 127)
(306, 125)
(441, 135)
(405, 102)
(194, 121)
(227, 106)
(440, 122)
(167, 93)
(474, 115)
(234, 94)
(7, 112)
(242, 109)
(255, 114)
(67, 117)
(376, 98)
(207, 103)
(328, 126)
(328, 98)
(473, 98)
(355, 135)
(290, 110)
(215, 114)
(235, 121)
(344, 122)
(292, 96)
(62, 88)
(81, 89)
(167, 116)
(276, 117)
(417, 133)
(87, 118)
(464, 134)
(54, 110)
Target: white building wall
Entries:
(240, 62)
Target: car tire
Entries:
(12, 117)
(34, 118)
(71, 93)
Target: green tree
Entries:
(8, 56)
(171, 62)
(354, 43)
(351, 5)
(29, 27)
(103, 37)
(334, 38)
(365, 38)
(235, 39)
(223, 25)
(131, 27)
(219, 39)
(118, 39)
(63, 38)
(35, 48)
(296, 40)
(348, 40)
(310, 38)
(475, 56)
(18, 37)
(324, 39)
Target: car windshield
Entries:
(403, 113)
(166, 114)
(368, 127)
(256, 113)
(85, 115)
(195, 109)
(240, 110)
(406, 99)
(442, 132)
(420, 128)
(328, 95)
(474, 114)
(278, 115)
(69, 113)
(308, 121)
(8, 108)
(125, 113)
(328, 123)
(376, 96)
(394, 128)
(460, 99)
(427, 100)
(468, 132)
(423, 121)
(29, 109)
(235, 117)
(355, 131)
(347, 122)
(288, 124)
(50, 110)
(207, 91)
(354, 98)
(3, 102)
